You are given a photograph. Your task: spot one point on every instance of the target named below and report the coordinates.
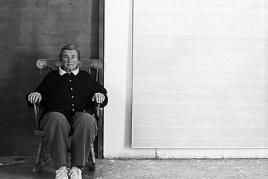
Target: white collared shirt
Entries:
(62, 72)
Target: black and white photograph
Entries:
(134, 89)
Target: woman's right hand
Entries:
(34, 97)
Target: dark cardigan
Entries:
(69, 94)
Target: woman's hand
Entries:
(34, 97)
(98, 97)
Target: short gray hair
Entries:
(69, 47)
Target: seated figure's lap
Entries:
(83, 120)
(57, 118)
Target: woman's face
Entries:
(69, 60)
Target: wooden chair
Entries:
(53, 64)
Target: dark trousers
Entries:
(83, 130)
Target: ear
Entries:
(79, 64)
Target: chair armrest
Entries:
(100, 129)
(99, 109)
(36, 107)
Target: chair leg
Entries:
(38, 166)
(91, 158)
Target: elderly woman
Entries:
(68, 96)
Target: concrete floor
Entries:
(21, 168)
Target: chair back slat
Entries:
(54, 63)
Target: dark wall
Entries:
(32, 29)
